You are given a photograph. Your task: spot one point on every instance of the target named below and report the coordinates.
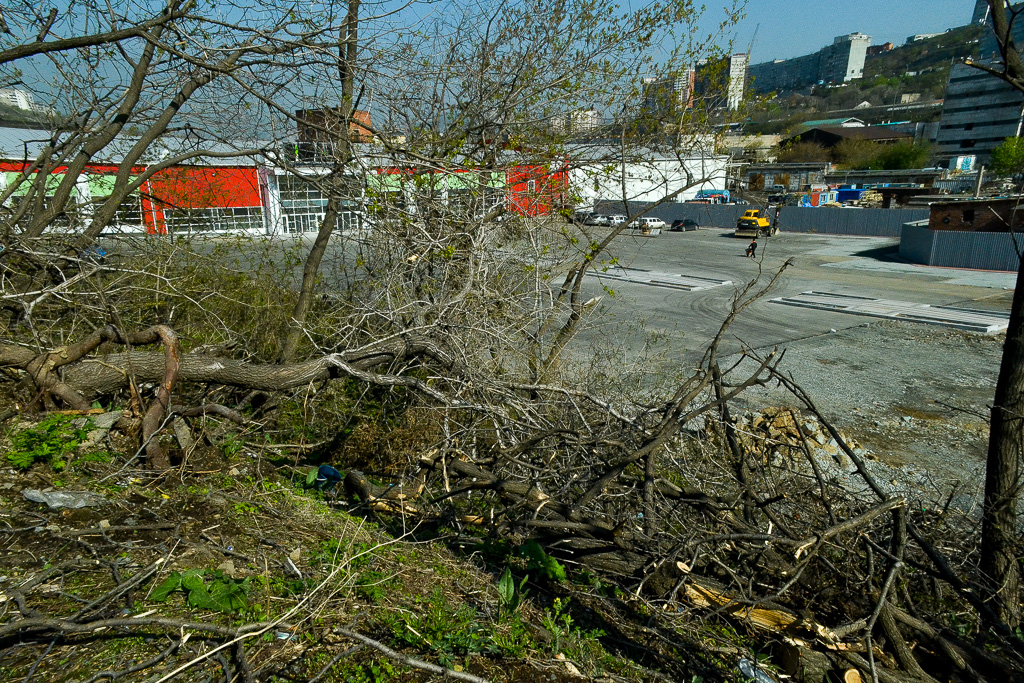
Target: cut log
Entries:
(758, 617)
(804, 664)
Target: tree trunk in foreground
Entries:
(1006, 441)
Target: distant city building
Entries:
(921, 36)
(844, 122)
(323, 126)
(737, 80)
(839, 62)
(585, 121)
(979, 110)
(981, 10)
(843, 60)
(666, 95)
(577, 122)
(874, 50)
(723, 82)
(20, 99)
(16, 98)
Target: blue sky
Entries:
(790, 28)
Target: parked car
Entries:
(684, 225)
(648, 222)
(582, 217)
(617, 219)
(598, 219)
(647, 226)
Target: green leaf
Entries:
(506, 587)
(193, 580)
(170, 584)
(548, 567)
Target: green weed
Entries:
(451, 633)
(374, 672)
(231, 445)
(511, 595)
(542, 565)
(566, 638)
(374, 586)
(50, 441)
(223, 594)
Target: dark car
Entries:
(684, 225)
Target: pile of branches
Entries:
(667, 498)
(836, 576)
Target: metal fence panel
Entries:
(916, 242)
(862, 222)
(959, 249)
(982, 250)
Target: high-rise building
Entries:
(17, 98)
(839, 62)
(981, 10)
(722, 83)
(979, 110)
(585, 121)
(737, 84)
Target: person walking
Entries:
(752, 248)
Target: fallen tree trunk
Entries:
(72, 376)
(97, 375)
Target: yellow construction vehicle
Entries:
(754, 223)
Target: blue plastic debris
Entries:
(94, 253)
(751, 671)
(327, 477)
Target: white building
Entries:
(19, 99)
(647, 177)
(737, 84)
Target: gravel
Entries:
(915, 396)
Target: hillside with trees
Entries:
(918, 69)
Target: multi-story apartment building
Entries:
(839, 62)
(980, 12)
(979, 110)
(738, 80)
(722, 83)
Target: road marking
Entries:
(654, 278)
(987, 322)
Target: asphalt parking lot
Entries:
(915, 394)
(857, 266)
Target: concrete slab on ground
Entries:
(986, 322)
(689, 283)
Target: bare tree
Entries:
(1000, 547)
(459, 100)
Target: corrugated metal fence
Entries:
(863, 222)
(956, 249)
(916, 242)
(826, 221)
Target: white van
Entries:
(647, 225)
